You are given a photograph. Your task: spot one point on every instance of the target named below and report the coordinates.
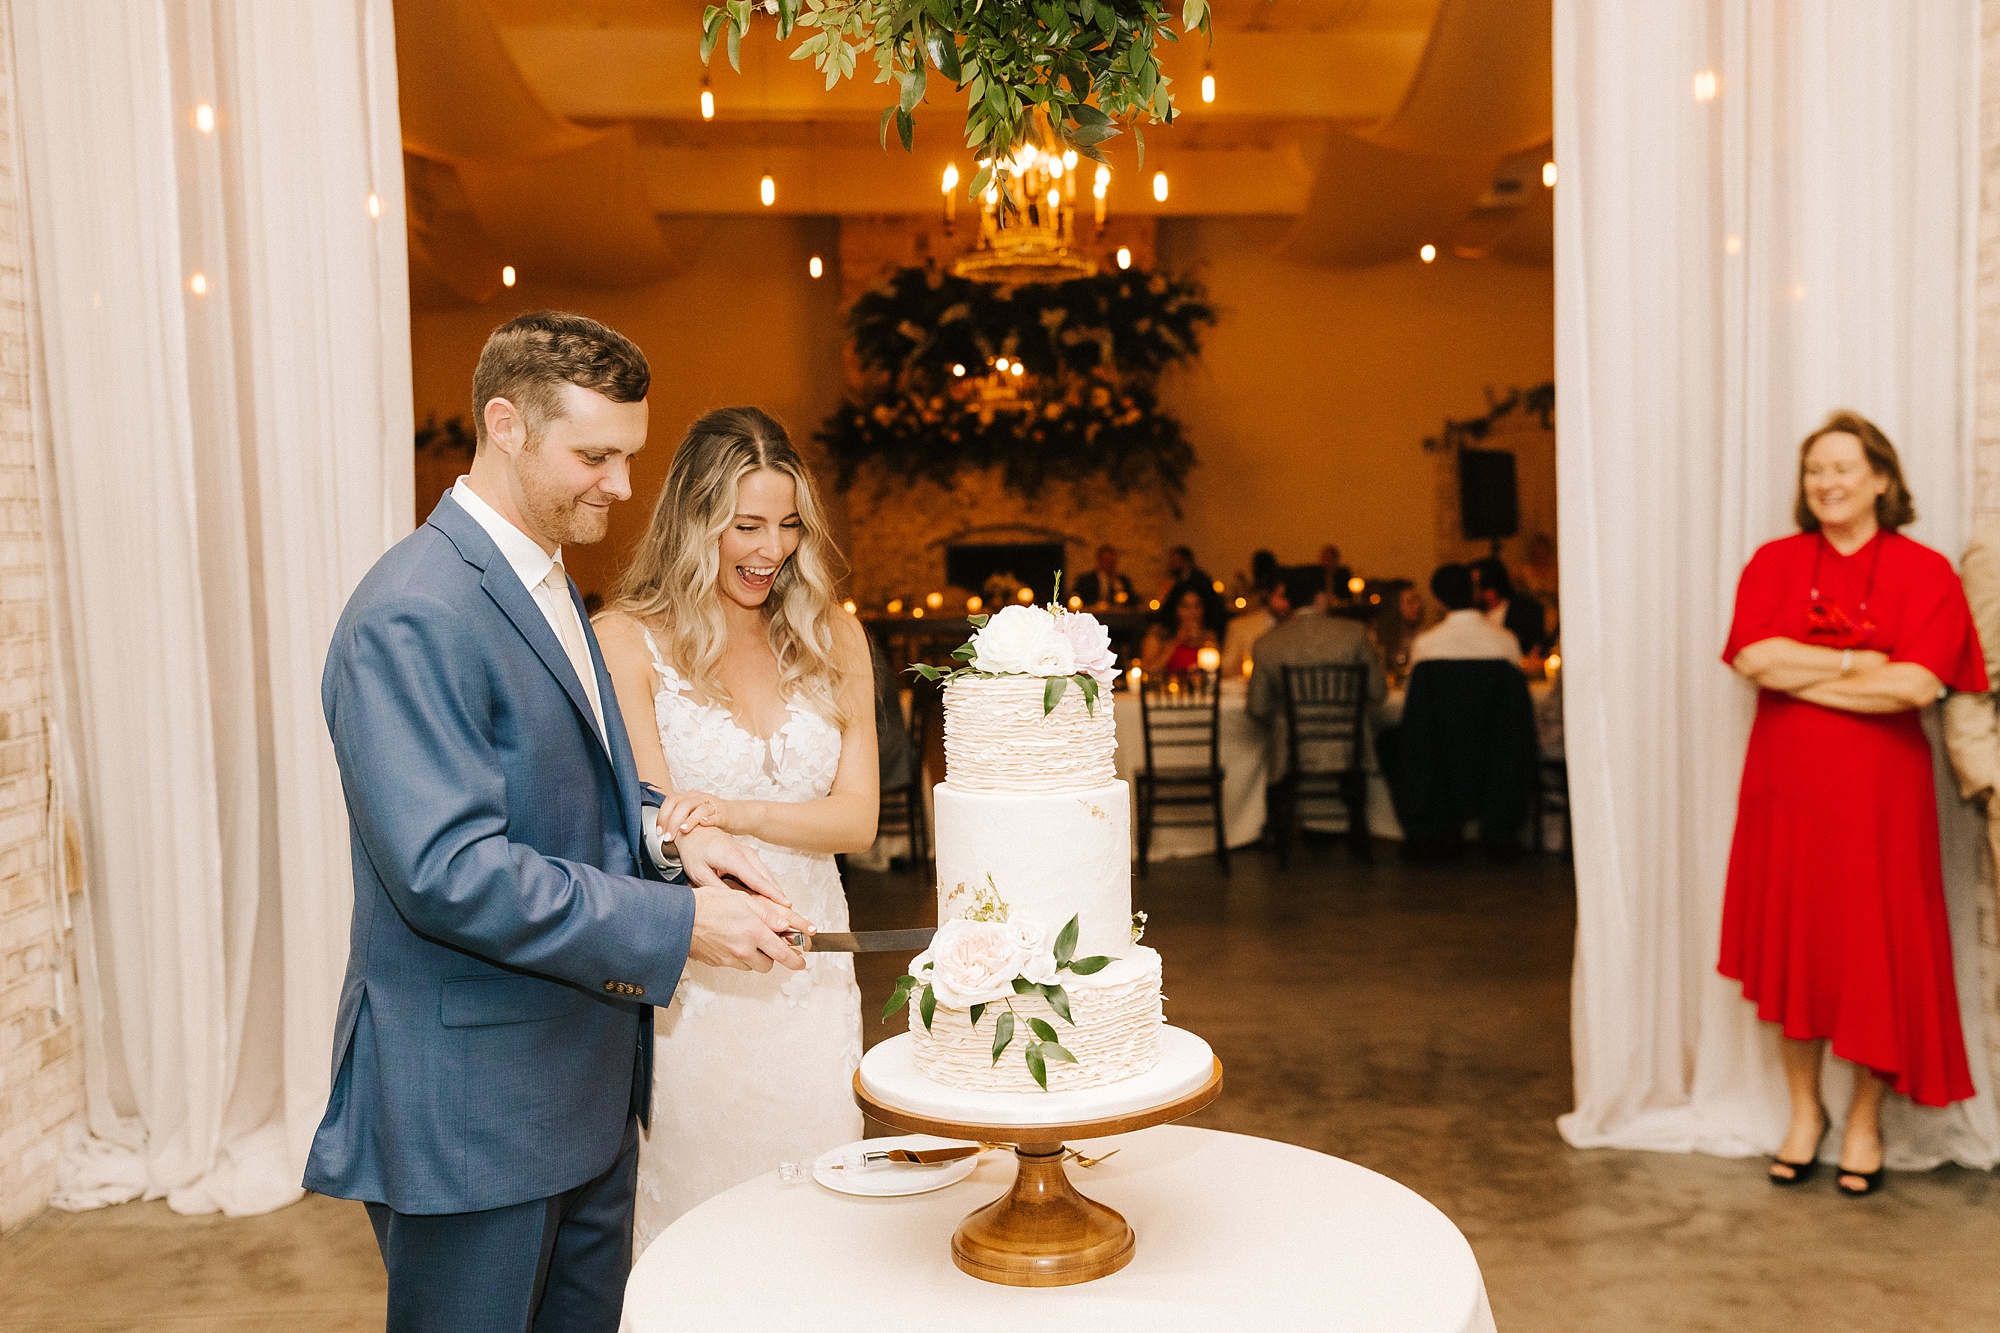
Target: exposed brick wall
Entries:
(41, 1068)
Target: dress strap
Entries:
(668, 676)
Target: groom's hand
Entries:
(741, 930)
(708, 854)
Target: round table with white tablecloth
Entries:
(1246, 769)
(1233, 1232)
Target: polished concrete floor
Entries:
(1414, 1020)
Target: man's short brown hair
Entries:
(528, 359)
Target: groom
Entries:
(513, 926)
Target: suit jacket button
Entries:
(611, 986)
(638, 990)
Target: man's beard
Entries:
(560, 516)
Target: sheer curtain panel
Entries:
(215, 210)
(1766, 211)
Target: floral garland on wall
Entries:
(1048, 382)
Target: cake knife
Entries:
(862, 941)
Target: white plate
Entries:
(890, 1180)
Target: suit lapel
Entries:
(504, 586)
(623, 766)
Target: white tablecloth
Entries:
(1233, 1233)
(1245, 771)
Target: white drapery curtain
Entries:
(221, 317)
(1765, 210)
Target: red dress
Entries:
(1834, 919)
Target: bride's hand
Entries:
(687, 810)
(707, 854)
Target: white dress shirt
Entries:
(532, 565)
(1465, 636)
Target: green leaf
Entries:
(1042, 1029)
(978, 187)
(1192, 14)
(965, 652)
(977, 1011)
(735, 48)
(887, 113)
(906, 129)
(1139, 138)
(944, 54)
(1037, 1066)
(1056, 1050)
(1058, 999)
(788, 17)
(927, 1007)
(711, 30)
(1052, 693)
(1089, 686)
(1066, 942)
(898, 997)
(1003, 1033)
(1083, 967)
(1022, 986)
(1085, 114)
(925, 669)
(978, 622)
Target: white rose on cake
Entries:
(1024, 641)
(1038, 960)
(973, 962)
(1090, 646)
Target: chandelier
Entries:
(1027, 216)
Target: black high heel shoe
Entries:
(1871, 1182)
(1806, 1170)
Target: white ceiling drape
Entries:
(221, 318)
(1765, 211)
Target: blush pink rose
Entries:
(974, 962)
(1090, 645)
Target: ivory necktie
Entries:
(569, 630)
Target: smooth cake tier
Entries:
(1116, 1035)
(996, 737)
(1050, 856)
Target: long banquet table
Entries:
(1234, 1233)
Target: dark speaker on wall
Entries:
(1488, 506)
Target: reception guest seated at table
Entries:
(1303, 636)
(1104, 585)
(1394, 628)
(1520, 616)
(1173, 647)
(1244, 630)
(1185, 575)
(1465, 634)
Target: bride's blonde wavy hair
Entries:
(673, 573)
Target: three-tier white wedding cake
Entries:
(1036, 979)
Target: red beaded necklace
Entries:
(1824, 621)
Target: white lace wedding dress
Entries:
(750, 1069)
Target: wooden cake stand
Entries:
(1041, 1233)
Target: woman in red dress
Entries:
(1834, 918)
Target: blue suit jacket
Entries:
(495, 1026)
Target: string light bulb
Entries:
(1002, 364)
(374, 204)
(950, 177)
(1160, 186)
(1549, 174)
(707, 104)
(1069, 159)
(1207, 85)
(767, 190)
(1706, 85)
(1124, 256)
(204, 118)
(198, 283)
(1017, 371)
(1055, 198)
(1428, 253)
(848, 606)
(814, 266)
(507, 275)
(958, 369)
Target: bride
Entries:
(740, 676)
